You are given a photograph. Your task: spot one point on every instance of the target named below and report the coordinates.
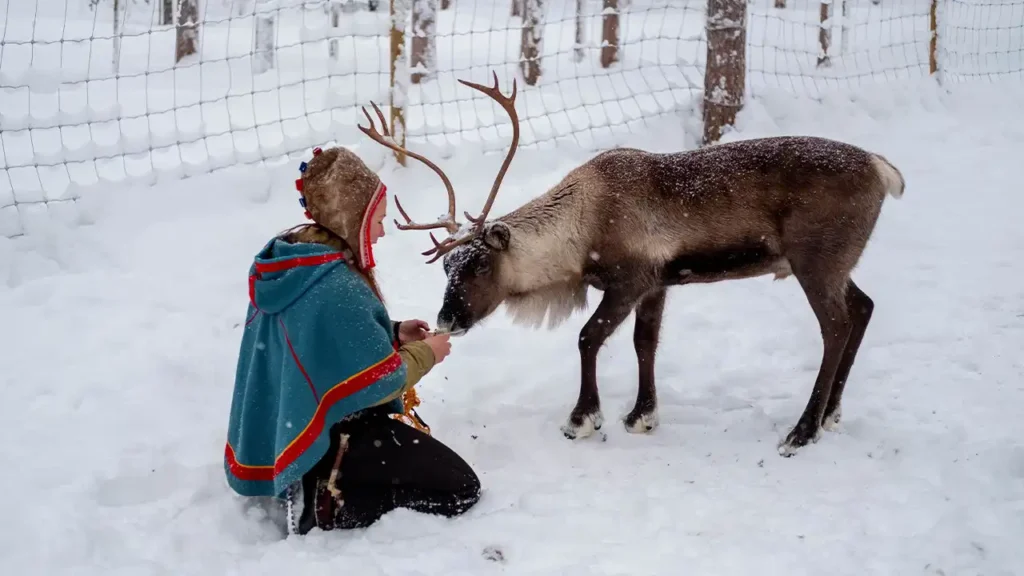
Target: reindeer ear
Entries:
(497, 236)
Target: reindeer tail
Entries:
(891, 177)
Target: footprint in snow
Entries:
(494, 554)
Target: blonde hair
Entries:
(316, 234)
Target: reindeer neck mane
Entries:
(542, 268)
(548, 209)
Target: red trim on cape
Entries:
(295, 357)
(252, 291)
(305, 439)
(281, 265)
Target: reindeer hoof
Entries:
(798, 438)
(641, 423)
(831, 421)
(578, 427)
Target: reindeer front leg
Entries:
(586, 417)
(644, 415)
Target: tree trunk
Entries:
(116, 63)
(264, 38)
(609, 33)
(166, 12)
(580, 7)
(933, 40)
(532, 37)
(825, 33)
(725, 75)
(423, 58)
(187, 37)
(332, 45)
(845, 32)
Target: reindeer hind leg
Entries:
(827, 296)
(860, 307)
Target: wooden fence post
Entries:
(725, 74)
(399, 75)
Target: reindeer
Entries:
(632, 223)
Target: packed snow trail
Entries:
(120, 341)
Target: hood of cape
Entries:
(282, 272)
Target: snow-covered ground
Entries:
(119, 342)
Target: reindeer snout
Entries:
(444, 322)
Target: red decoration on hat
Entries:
(317, 151)
(298, 184)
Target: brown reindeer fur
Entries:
(632, 223)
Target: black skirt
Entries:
(385, 465)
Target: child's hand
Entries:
(440, 346)
(412, 331)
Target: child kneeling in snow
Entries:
(322, 412)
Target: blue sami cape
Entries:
(317, 346)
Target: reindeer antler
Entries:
(508, 103)
(450, 224)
